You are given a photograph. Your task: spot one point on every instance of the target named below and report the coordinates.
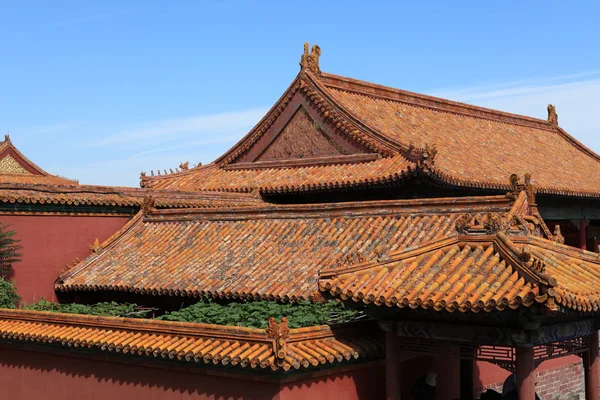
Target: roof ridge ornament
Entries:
(7, 138)
(552, 115)
(96, 247)
(278, 333)
(422, 155)
(309, 62)
(148, 205)
(517, 187)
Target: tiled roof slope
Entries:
(475, 145)
(299, 179)
(117, 196)
(205, 344)
(475, 273)
(266, 252)
(455, 143)
(16, 169)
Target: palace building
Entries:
(467, 236)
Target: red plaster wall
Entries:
(26, 375)
(364, 384)
(49, 243)
(559, 374)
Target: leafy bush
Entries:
(111, 309)
(8, 294)
(256, 314)
(9, 250)
(250, 314)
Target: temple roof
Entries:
(17, 169)
(475, 272)
(238, 347)
(331, 131)
(262, 252)
(111, 196)
(24, 183)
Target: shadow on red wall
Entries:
(26, 374)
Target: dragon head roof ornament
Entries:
(309, 62)
(552, 115)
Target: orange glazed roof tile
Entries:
(298, 179)
(264, 252)
(16, 169)
(239, 347)
(475, 273)
(455, 143)
(118, 196)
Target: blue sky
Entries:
(99, 91)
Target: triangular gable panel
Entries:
(299, 136)
(8, 165)
(12, 162)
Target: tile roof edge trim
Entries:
(178, 328)
(375, 207)
(561, 248)
(125, 191)
(374, 90)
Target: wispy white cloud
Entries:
(117, 159)
(207, 126)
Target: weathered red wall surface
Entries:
(50, 243)
(363, 384)
(26, 375)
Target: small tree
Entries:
(10, 250)
(8, 294)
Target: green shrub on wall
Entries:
(248, 314)
(10, 250)
(8, 294)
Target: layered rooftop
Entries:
(22, 183)
(262, 252)
(329, 132)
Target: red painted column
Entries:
(592, 369)
(582, 234)
(392, 367)
(525, 369)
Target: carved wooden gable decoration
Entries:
(8, 165)
(301, 138)
(12, 162)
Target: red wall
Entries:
(49, 243)
(363, 384)
(487, 374)
(26, 375)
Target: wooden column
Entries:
(582, 234)
(466, 379)
(591, 365)
(392, 367)
(525, 369)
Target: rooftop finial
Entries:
(552, 115)
(6, 138)
(310, 61)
